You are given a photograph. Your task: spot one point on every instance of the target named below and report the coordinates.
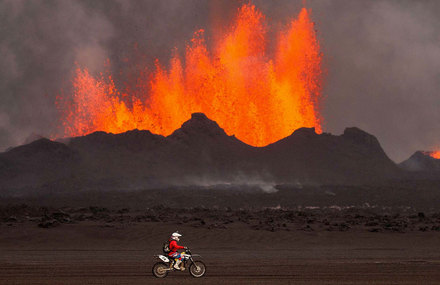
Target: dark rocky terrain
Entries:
(422, 162)
(307, 245)
(334, 218)
(308, 209)
(199, 153)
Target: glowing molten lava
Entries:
(257, 98)
(435, 154)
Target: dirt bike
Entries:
(196, 267)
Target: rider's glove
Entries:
(186, 248)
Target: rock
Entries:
(375, 230)
(216, 226)
(307, 228)
(343, 227)
(49, 224)
(11, 219)
(61, 217)
(421, 161)
(199, 149)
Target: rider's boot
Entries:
(182, 266)
(176, 265)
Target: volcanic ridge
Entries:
(198, 153)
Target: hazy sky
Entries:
(382, 58)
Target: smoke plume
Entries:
(382, 58)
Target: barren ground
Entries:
(101, 246)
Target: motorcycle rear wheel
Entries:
(197, 269)
(160, 270)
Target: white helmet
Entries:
(175, 236)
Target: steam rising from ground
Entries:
(382, 58)
(241, 182)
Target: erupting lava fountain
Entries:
(257, 97)
(434, 154)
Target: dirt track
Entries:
(89, 253)
(125, 271)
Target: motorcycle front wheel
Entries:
(160, 270)
(197, 269)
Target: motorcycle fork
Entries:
(192, 262)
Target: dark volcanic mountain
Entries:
(421, 161)
(199, 153)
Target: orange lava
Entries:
(435, 154)
(256, 97)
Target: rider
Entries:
(175, 237)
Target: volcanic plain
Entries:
(308, 209)
(114, 240)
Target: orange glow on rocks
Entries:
(435, 154)
(256, 97)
